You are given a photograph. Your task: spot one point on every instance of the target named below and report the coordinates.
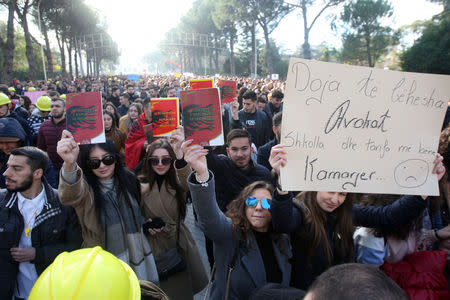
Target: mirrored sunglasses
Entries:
(95, 163)
(253, 201)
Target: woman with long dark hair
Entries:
(106, 197)
(113, 133)
(321, 224)
(163, 187)
(134, 111)
(248, 253)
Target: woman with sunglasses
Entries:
(106, 198)
(321, 224)
(247, 252)
(163, 189)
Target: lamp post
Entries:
(42, 48)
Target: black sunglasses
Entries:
(164, 161)
(95, 163)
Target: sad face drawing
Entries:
(411, 173)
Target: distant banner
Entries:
(202, 119)
(84, 117)
(34, 95)
(134, 77)
(165, 115)
(201, 83)
(227, 90)
(358, 129)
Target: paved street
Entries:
(199, 240)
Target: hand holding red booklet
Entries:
(202, 120)
(84, 117)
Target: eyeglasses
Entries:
(253, 201)
(95, 163)
(164, 161)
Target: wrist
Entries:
(202, 176)
(69, 166)
(436, 235)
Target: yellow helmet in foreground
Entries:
(90, 273)
(4, 99)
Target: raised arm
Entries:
(285, 217)
(212, 221)
(72, 189)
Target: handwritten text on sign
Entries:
(358, 129)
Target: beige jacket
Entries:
(163, 204)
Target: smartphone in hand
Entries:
(156, 223)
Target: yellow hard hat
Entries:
(63, 96)
(44, 103)
(11, 89)
(31, 89)
(89, 273)
(4, 99)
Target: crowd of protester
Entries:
(130, 197)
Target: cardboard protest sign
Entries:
(202, 119)
(358, 129)
(34, 95)
(227, 90)
(201, 83)
(275, 76)
(84, 117)
(165, 115)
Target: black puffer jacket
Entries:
(56, 230)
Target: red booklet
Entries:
(201, 83)
(84, 117)
(202, 119)
(165, 115)
(227, 90)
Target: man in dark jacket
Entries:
(255, 121)
(34, 226)
(12, 136)
(5, 112)
(50, 133)
(264, 151)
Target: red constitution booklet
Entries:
(84, 117)
(165, 116)
(227, 90)
(201, 83)
(202, 119)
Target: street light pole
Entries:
(42, 48)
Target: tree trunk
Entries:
(69, 52)
(253, 63)
(369, 55)
(76, 61)
(8, 46)
(79, 56)
(306, 47)
(29, 46)
(232, 62)
(269, 62)
(48, 51)
(60, 40)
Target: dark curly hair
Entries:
(240, 223)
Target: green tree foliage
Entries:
(366, 40)
(430, 52)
